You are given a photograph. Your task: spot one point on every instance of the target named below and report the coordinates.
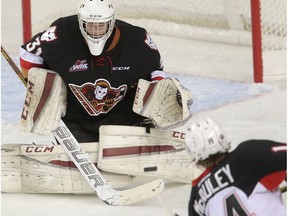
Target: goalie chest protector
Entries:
(97, 85)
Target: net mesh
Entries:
(224, 21)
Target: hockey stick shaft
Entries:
(88, 170)
(13, 65)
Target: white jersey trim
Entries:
(30, 57)
(158, 73)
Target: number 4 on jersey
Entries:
(234, 207)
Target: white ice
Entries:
(220, 78)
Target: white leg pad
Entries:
(125, 149)
(48, 169)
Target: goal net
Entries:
(257, 23)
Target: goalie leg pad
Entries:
(130, 150)
(48, 169)
(45, 102)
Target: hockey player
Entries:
(103, 77)
(100, 59)
(243, 182)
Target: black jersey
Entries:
(244, 183)
(98, 86)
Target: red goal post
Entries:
(260, 24)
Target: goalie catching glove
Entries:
(167, 102)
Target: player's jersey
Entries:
(244, 183)
(96, 85)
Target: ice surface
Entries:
(220, 78)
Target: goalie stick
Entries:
(88, 170)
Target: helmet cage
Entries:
(90, 28)
(96, 31)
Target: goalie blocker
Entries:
(45, 102)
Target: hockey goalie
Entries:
(124, 154)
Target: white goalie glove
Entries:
(167, 102)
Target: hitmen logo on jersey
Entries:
(98, 97)
(79, 66)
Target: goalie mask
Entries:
(204, 138)
(96, 22)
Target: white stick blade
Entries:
(136, 194)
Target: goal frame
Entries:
(256, 35)
(256, 41)
(26, 20)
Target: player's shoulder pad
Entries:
(62, 29)
(131, 31)
(64, 21)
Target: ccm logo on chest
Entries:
(121, 68)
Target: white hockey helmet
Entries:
(96, 21)
(204, 138)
